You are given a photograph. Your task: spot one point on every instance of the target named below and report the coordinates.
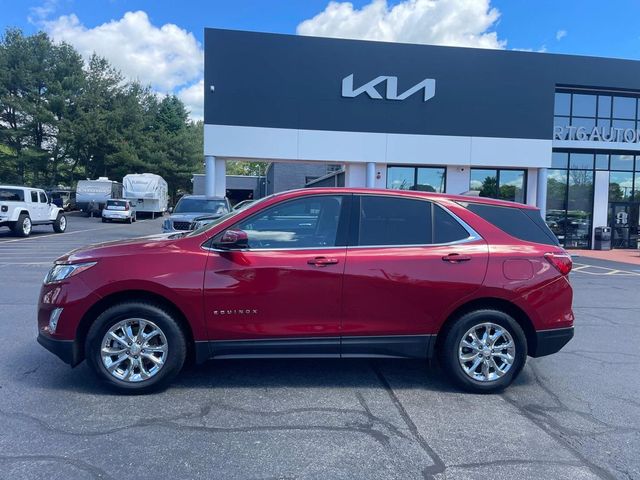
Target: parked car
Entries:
(22, 207)
(65, 199)
(189, 207)
(478, 283)
(121, 210)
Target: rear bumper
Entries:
(551, 341)
(65, 350)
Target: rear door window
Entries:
(518, 222)
(386, 220)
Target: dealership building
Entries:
(556, 131)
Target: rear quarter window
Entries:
(525, 224)
(11, 195)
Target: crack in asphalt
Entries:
(438, 466)
(552, 427)
(94, 471)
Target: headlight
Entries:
(62, 272)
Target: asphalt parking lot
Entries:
(574, 415)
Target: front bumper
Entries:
(550, 341)
(65, 350)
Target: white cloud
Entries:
(38, 13)
(167, 57)
(560, 34)
(466, 23)
(193, 98)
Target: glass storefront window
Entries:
(484, 181)
(511, 185)
(499, 183)
(624, 107)
(430, 180)
(560, 160)
(557, 202)
(563, 104)
(401, 178)
(583, 105)
(581, 161)
(620, 186)
(622, 162)
(602, 162)
(604, 106)
(579, 209)
(425, 179)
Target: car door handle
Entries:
(322, 261)
(456, 258)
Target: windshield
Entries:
(116, 204)
(201, 205)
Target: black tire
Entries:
(20, 228)
(176, 345)
(130, 220)
(60, 225)
(135, 217)
(453, 335)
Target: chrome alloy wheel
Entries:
(63, 223)
(486, 352)
(134, 350)
(26, 226)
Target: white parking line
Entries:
(58, 235)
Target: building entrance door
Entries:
(623, 219)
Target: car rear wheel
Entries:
(136, 347)
(60, 225)
(484, 351)
(23, 226)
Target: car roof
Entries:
(19, 186)
(202, 197)
(408, 193)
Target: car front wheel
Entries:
(484, 351)
(136, 347)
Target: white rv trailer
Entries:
(148, 192)
(95, 193)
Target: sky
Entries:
(160, 42)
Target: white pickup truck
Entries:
(22, 207)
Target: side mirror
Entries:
(233, 239)
(170, 209)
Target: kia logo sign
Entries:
(428, 85)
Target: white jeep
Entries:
(22, 207)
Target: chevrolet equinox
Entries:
(478, 283)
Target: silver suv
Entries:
(191, 207)
(22, 207)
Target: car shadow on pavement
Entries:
(258, 373)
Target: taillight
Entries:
(126, 206)
(562, 262)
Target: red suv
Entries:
(478, 283)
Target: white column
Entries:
(355, 175)
(600, 201)
(215, 176)
(371, 174)
(532, 186)
(541, 200)
(209, 176)
(221, 177)
(458, 179)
